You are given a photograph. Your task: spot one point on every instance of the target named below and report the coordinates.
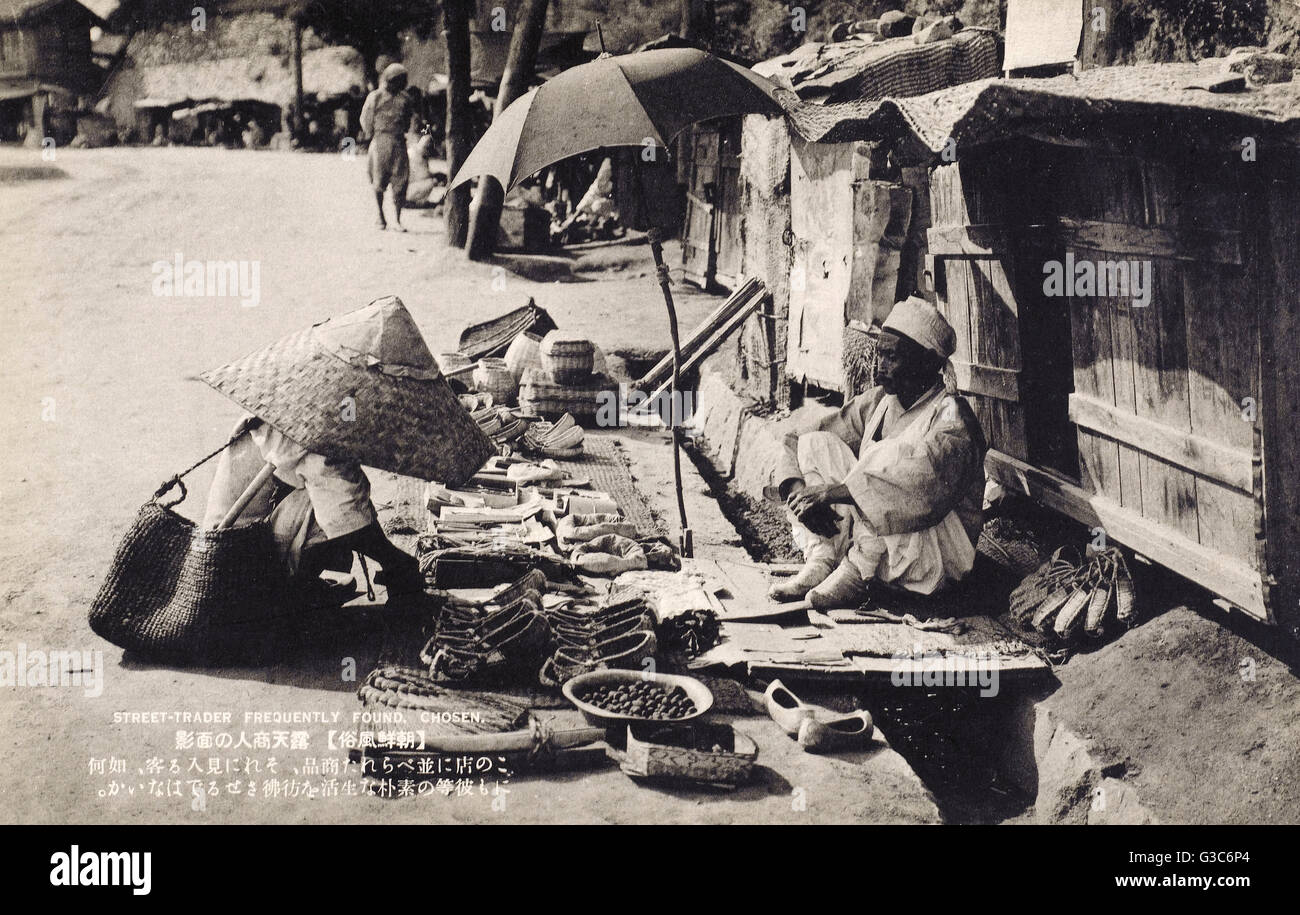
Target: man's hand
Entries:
(812, 505)
(808, 498)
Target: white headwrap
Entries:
(918, 320)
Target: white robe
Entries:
(923, 559)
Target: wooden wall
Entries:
(1167, 451)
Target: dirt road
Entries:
(100, 408)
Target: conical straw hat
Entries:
(362, 386)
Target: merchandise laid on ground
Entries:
(560, 629)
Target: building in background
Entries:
(47, 72)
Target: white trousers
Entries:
(292, 520)
(922, 561)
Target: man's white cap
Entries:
(918, 320)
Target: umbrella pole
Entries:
(661, 269)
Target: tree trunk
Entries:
(485, 213)
(456, 16)
(698, 22)
(297, 81)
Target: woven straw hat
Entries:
(363, 387)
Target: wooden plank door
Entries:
(728, 224)
(972, 264)
(699, 251)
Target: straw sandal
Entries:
(627, 652)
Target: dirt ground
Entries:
(101, 407)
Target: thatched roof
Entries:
(264, 78)
(856, 70)
(1155, 95)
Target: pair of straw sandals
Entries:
(620, 635)
(818, 730)
(1068, 600)
(519, 635)
(560, 439)
(515, 635)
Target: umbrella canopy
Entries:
(615, 101)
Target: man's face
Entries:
(897, 361)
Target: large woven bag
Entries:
(182, 594)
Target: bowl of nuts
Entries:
(611, 697)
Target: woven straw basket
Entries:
(568, 359)
(180, 594)
(542, 394)
(525, 353)
(493, 376)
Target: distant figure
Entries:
(254, 137)
(422, 183)
(385, 117)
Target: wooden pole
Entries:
(657, 252)
(521, 62)
(456, 16)
(247, 495)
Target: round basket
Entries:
(568, 359)
(525, 353)
(491, 376)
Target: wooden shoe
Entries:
(785, 708)
(849, 732)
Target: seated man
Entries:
(889, 489)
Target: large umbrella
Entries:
(643, 99)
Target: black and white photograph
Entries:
(576, 412)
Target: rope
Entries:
(176, 480)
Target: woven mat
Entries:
(607, 466)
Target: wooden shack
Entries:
(796, 203)
(1160, 412)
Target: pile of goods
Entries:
(540, 505)
(569, 378)
(1068, 600)
(519, 368)
(525, 635)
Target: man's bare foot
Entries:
(380, 225)
(398, 227)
